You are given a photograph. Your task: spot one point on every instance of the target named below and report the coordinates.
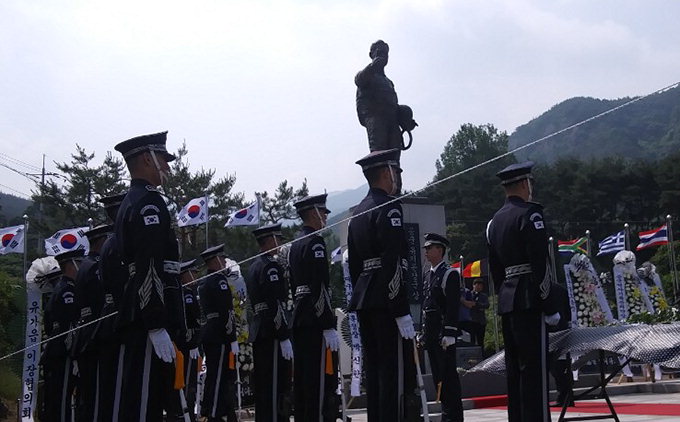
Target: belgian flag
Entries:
(476, 269)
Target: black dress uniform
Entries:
(267, 295)
(377, 261)
(61, 314)
(441, 304)
(218, 333)
(315, 397)
(192, 339)
(518, 260)
(151, 297)
(113, 275)
(90, 300)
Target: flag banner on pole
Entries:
(195, 212)
(67, 240)
(613, 243)
(12, 240)
(248, 216)
(475, 269)
(572, 246)
(456, 266)
(652, 238)
(357, 354)
(336, 255)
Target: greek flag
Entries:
(336, 255)
(613, 243)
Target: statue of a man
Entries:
(377, 106)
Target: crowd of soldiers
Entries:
(131, 323)
(140, 363)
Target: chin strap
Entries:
(163, 175)
(395, 187)
(318, 214)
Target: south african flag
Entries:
(572, 246)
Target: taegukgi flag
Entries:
(247, 216)
(12, 239)
(67, 240)
(195, 212)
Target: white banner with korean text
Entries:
(31, 354)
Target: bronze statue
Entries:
(377, 106)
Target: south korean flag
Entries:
(12, 240)
(195, 212)
(67, 240)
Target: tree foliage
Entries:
(470, 199)
(599, 195)
(279, 207)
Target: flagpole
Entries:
(25, 245)
(588, 245)
(207, 218)
(551, 254)
(671, 255)
(90, 222)
(626, 230)
(462, 271)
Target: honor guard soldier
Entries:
(518, 260)
(313, 321)
(113, 275)
(90, 300)
(189, 345)
(218, 339)
(150, 308)
(377, 262)
(48, 282)
(440, 320)
(269, 332)
(61, 315)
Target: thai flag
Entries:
(195, 212)
(652, 238)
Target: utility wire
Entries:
(16, 191)
(31, 167)
(394, 200)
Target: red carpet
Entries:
(661, 409)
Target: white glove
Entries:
(553, 319)
(234, 348)
(162, 344)
(286, 349)
(447, 341)
(332, 339)
(193, 353)
(405, 324)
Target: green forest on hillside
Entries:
(648, 129)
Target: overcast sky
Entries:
(265, 90)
